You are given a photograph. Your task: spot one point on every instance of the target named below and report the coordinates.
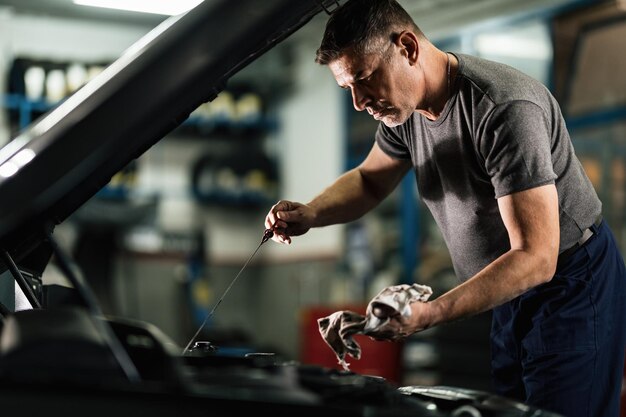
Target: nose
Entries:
(359, 99)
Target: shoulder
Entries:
(497, 81)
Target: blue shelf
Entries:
(603, 117)
(206, 125)
(199, 124)
(25, 106)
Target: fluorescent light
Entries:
(14, 164)
(165, 7)
(23, 157)
(8, 169)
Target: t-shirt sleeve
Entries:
(516, 148)
(393, 141)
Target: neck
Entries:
(442, 92)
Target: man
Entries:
(495, 165)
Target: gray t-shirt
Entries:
(501, 132)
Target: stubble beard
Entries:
(395, 118)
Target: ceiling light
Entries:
(164, 7)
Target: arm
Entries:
(351, 196)
(531, 218)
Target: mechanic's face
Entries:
(379, 83)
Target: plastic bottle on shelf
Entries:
(56, 87)
(93, 71)
(248, 108)
(34, 82)
(222, 108)
(76, 76)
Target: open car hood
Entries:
(69, 154)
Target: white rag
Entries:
(339, 328)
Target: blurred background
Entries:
(164, 239)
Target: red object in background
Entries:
(379, 358)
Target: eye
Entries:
(367, 78)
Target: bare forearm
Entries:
(351, 196)
(507, 277)
(347, 199)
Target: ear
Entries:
(408, 44)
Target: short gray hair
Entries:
(363, 25)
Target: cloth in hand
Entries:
(339, 328)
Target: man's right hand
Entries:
(288, 218)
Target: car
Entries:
(68, 358)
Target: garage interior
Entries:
(164, 239)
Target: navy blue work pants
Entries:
(561, 345)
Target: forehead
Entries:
(350, 66)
